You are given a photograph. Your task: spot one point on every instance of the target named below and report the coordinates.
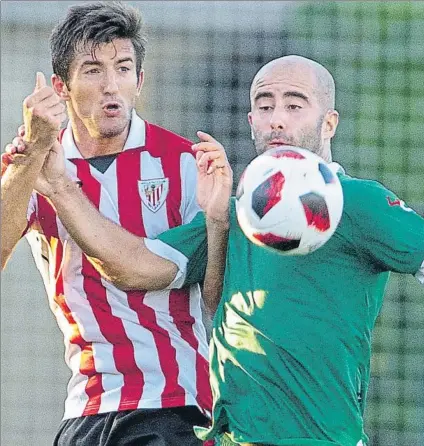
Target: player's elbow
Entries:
(143, 273)
(139, 279)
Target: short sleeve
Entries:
(31, 212)
(186, 246)
(388, 231)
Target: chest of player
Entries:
(133, 189)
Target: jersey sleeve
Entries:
(186, 246)
(388, 231)
(31, 213)
(189, 205)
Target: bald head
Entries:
(298, 67)
(292, 103)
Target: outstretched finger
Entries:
(203, 136)
(208, 147)
(40, 81)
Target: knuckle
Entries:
(37, 110)
(27, 102)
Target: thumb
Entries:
(40, 81)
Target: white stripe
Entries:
(112, 379)
(136, 137)
(189, 206)
(145, 352)
(154, 222)
(137, 134)
(198, 327)
(32, 205)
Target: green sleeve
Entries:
(186, 246)
(385, 229)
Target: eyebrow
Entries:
(264, 94)
(90, 63)
(296, 94)
(287, 94)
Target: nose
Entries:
(110, 85)
(278, 119)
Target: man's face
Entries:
(285, 111)
(103, 88)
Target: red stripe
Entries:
(179, 299)
(111, 327)
(48, 222)
(130, 214)
(128, 175)
(179, 307)
(172, 170)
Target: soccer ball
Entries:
(289, 200)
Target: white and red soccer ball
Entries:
(289, 200)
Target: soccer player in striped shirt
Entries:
(138, 359)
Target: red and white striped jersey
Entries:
(137, 349)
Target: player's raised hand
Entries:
(13, 150)
(43, 115)
(215, 177)
(53, 173)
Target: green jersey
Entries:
(291, 341)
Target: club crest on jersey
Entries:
(153, 192)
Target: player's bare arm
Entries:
(43, 114)
(214, 191)
(118, 255)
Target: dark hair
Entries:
(89, 26)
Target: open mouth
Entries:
(112, 108)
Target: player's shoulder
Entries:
(353, 185)
(165, 140)
(363, 195)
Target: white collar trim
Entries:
(136, 137)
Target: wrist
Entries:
(60, 187)
(36, 148)
(221, 223)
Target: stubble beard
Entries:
(117, 129)
(310, 140)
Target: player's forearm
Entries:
(17, 184)
(119, 256)
(217, 253)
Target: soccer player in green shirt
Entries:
(291, 340)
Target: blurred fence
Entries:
(201, 59)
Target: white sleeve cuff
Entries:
(420, 274)
(167, 252)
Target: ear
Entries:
(60, 87)
(140, 82)
(249, 118)
(330, 124)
